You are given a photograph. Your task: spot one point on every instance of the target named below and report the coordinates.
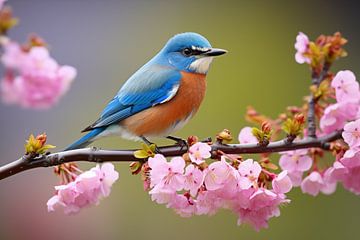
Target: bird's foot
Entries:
(179, 141)
(147, 142)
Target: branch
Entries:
(97, 155)
(316, 80)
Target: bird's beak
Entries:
(214, 52)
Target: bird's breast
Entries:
(162, 119)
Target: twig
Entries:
(97, 155)
(316, 80)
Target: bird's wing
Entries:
(151, 85)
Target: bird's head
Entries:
(189, 52)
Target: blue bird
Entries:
(161, 96)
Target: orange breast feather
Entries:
(158, 120)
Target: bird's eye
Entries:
(187, 52)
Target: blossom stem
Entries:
(28, 162)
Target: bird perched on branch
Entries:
(161, 96)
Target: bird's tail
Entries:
(85, 140)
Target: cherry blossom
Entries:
(194, 178)
(282, 183)
(346, 87)
(301, 46)
(85, 190)
(351, 133)
(312, 184)
(34, 79)
(167, 175)
(246, 136)
(249, 172)
(295, 161)
(199, 151)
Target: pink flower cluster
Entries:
(85, 190)
(347, 169)
(347, 103)
(302, 46)
(192, 189)
(33, 79)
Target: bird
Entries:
(161, 96)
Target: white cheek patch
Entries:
(201, 65)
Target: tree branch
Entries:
(97, 155)
(316, 80)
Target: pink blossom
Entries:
(194, 178)
(282, 183)
(296, 178)
(246, 136)
(13, 55)
(336, 115)
(346, 87)
(301, 46)
(184, 206)
(249, 172)
(351, 133)
(264, 204)
(86, 190)
(335, 173)
(352, 180)
(2, 3)
(208, 202)
(199, 151)
(218, 174)
(312, 184)
(40, 81)
(168, 175)
(351, 158)
(162, 195)
(295, 161)
(107, 176)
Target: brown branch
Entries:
(316, 80)
(97, 155)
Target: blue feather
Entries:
(85, 140)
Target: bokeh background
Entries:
(107, 41)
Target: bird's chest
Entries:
(172, 115)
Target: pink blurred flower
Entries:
(40, 81)
(295, 161)
(312, 184)
(2, 3)
(351, 133)
(346, 87)
(301, 46)
(194, 178)
(86, 190)
(246, 136)
(249, 172)
(199, 151)
(282, 183)
(167, 175)
(13, 55)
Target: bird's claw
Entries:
(179, 141)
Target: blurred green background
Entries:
(107, 41)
